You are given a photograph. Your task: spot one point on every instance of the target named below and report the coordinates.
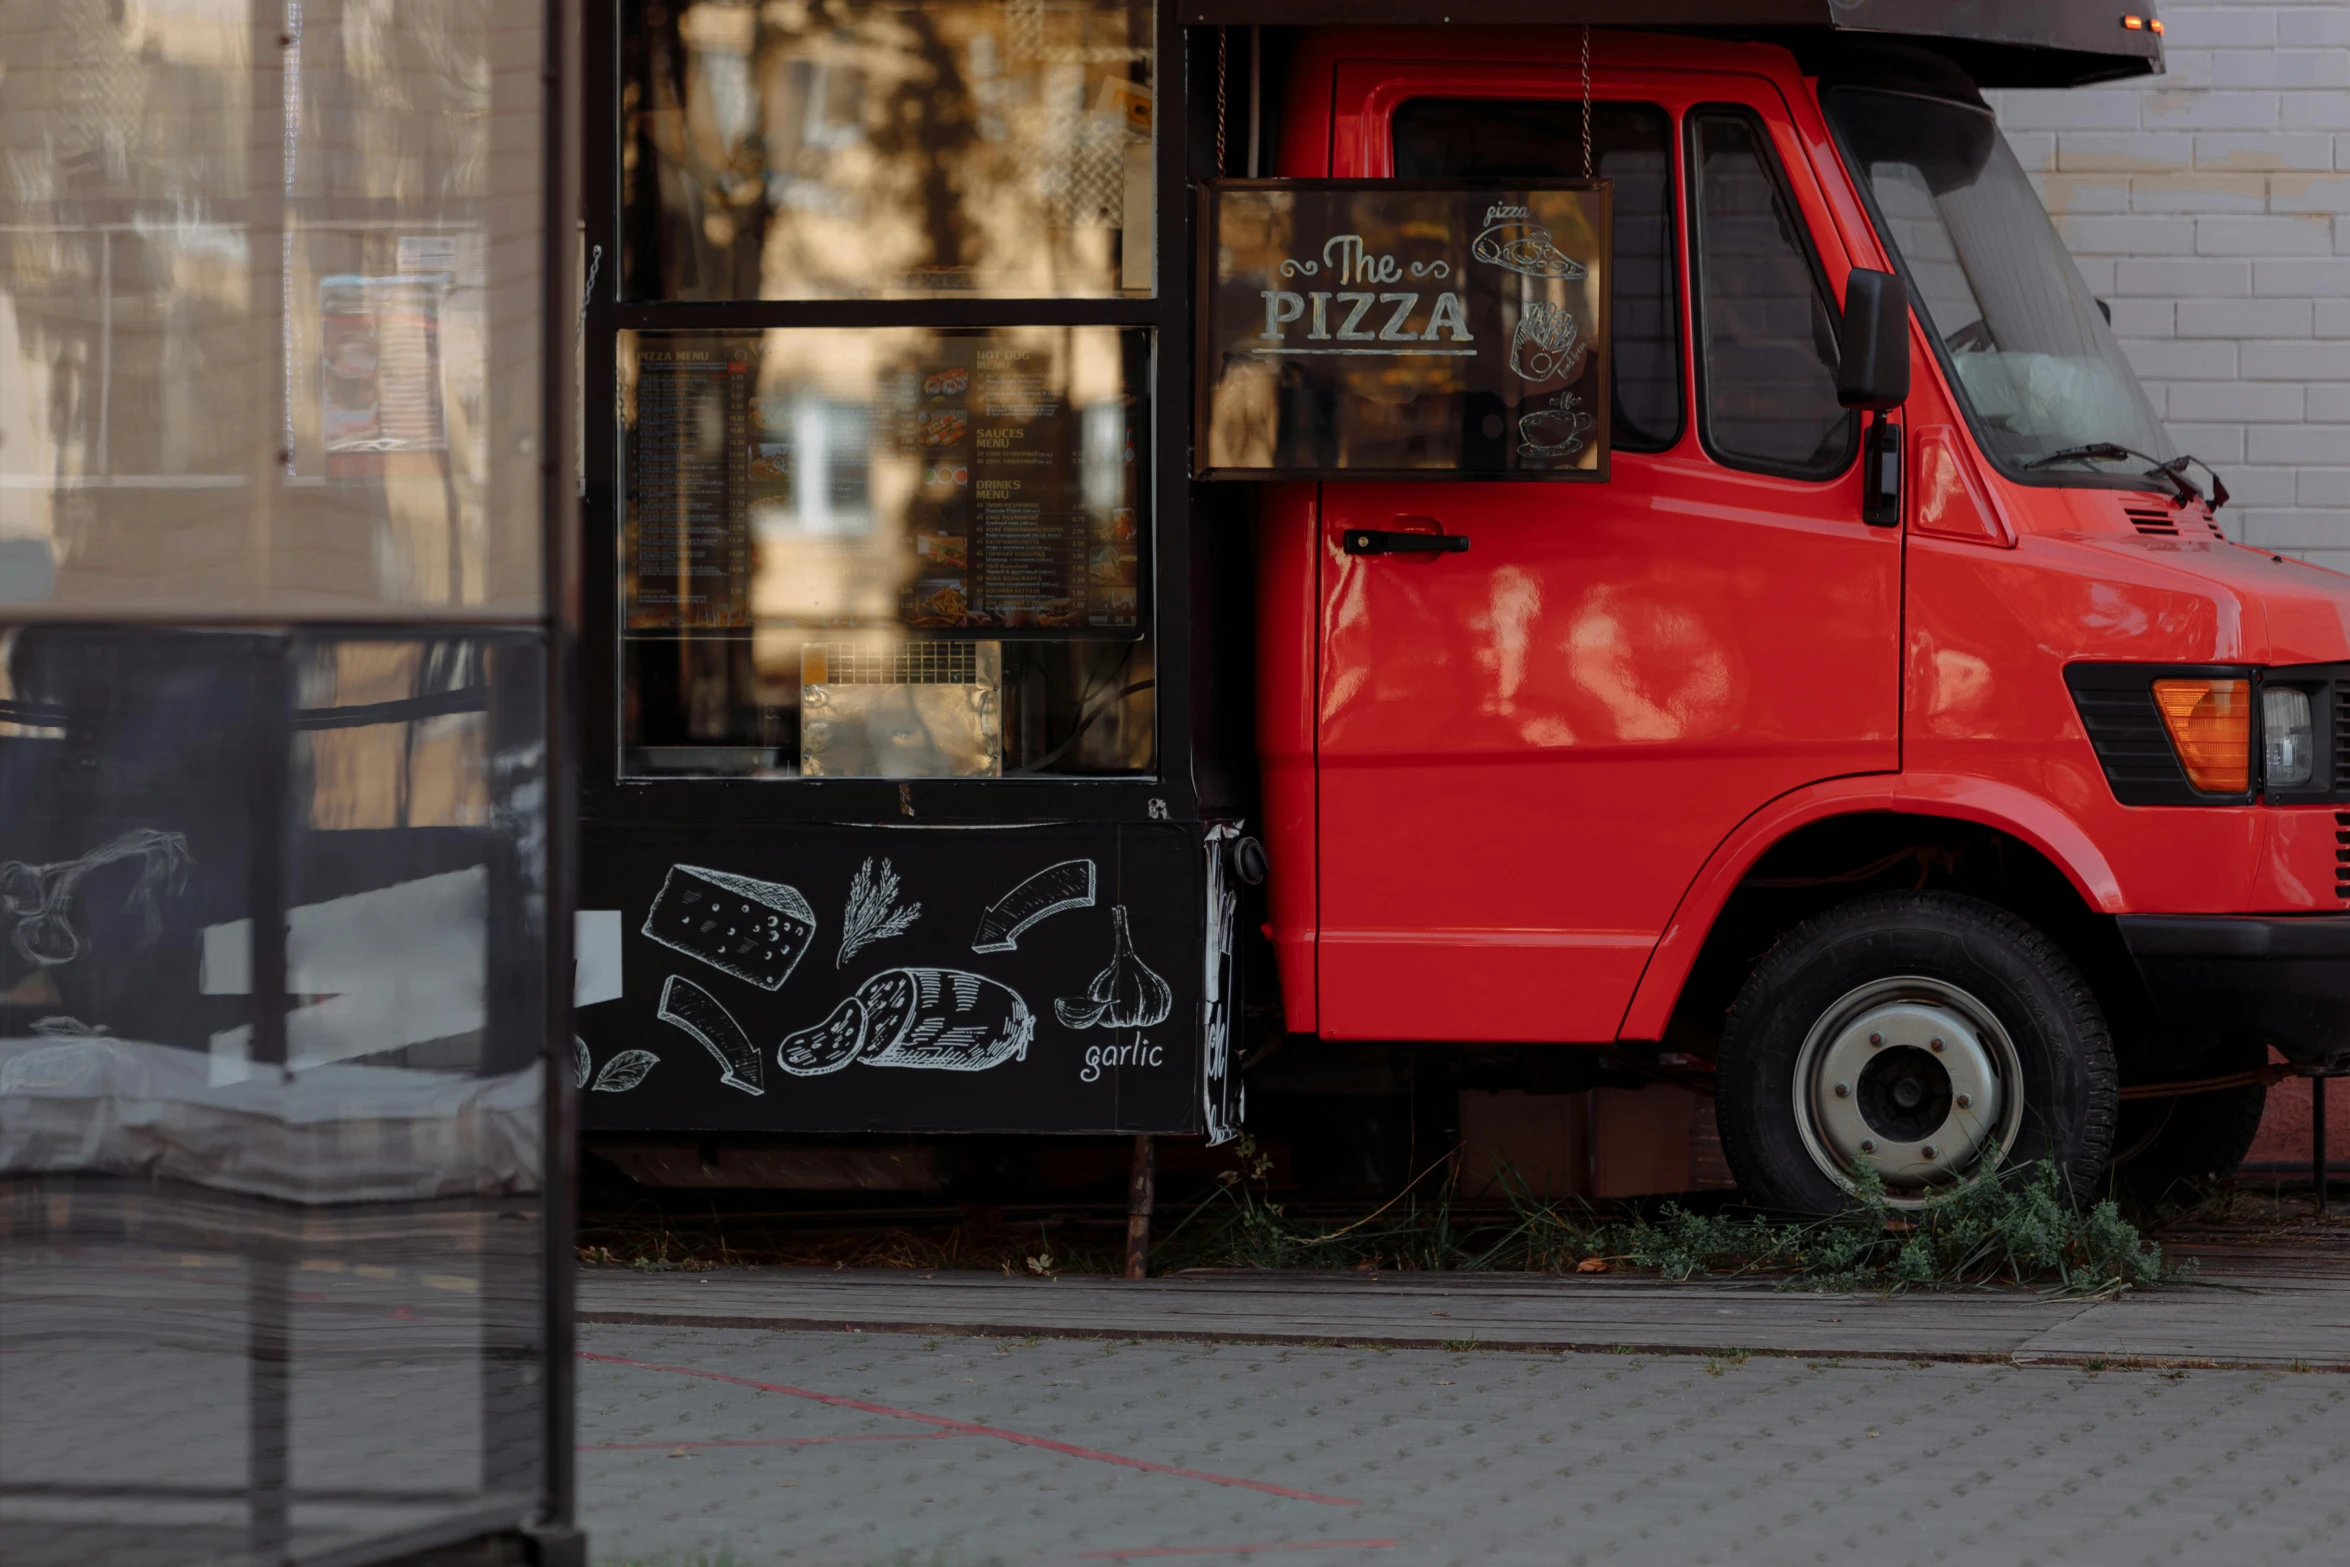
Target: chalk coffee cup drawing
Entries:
(1548, 345)
(1556, 431)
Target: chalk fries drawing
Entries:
(41, 896)
(1068, 885)
(699, 1013)
(625, 1070)
(1526, 249)
(1547, 346)
(1125, 995)
(929, 1019)
(755, 930)
(873, 913)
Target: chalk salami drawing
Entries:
(1548, 346)
(625, 1070)
(1125, 995)
(699, 1013)
(873, 913)
(755, 930)
(1068, 885)
(928, 1019)
(1555, 431)
(41, 896)
(1526, 249)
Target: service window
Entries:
(917, 546)
(1765, 323)
(1632, 144)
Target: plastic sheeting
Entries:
(91, 1104)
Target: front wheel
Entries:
(1924, 1036)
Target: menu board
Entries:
(1369, 329)
(967, 482)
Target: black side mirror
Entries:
(1872, 343)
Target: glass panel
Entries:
(1631, 144)
(253, 1308)
(2039, 368)
(887, 149)
(270, 328)
(1766, 327)
(885, 553)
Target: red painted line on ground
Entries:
(1235, 1550)
(767, 1441)
(1021, 1438)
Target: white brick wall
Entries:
(2211, 208)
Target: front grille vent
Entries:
(2342, 855)
(2342, 737)
(2126, 730)
(2153, 521)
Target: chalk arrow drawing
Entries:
(1068, 885)
(699, 1013)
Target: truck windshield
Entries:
(2035, 362)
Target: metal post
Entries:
(268, 1324)
(2317, 1139)
(1141, 1192)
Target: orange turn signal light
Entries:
(2210, 724)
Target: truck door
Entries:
(1526, 751)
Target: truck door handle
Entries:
(1372, 541)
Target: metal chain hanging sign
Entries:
(1401, 329)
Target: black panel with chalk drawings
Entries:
(1047, 978)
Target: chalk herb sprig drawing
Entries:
(873, 913)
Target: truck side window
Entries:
(1631, 143)
(1766, 329)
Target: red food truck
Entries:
(1397, 560)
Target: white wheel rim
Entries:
(1913, 1077)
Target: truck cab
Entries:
(1941, 776)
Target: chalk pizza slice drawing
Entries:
(699, 1013)
(929, 1019)
(1526, 249)
(1068, 885)
(755, 930)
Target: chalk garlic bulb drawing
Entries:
(1125, 995)
(872, 914)
(943, 1020)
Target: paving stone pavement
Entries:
(862, 1449)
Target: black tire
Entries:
(2056, 1043)
(2174, 1151)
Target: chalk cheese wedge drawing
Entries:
(1068, 885)
(699, 1013)
(929, 1019)
(755, 930)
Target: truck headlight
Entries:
(2290, 735)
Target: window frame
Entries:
(1691, 119)
(1183, 69)
(1670, 257)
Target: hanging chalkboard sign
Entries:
(1366, 329)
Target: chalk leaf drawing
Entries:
(873, 913)
(625, 1070)
(755, 930)
(1125, 995)
(931, 1019)
(699, 1013)
(1526, 249)
(41, 896)
(581, 1065)
(1068, 885)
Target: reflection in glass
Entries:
(268, 1290)
(890, 552)
(247, 360)
(887, 149)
